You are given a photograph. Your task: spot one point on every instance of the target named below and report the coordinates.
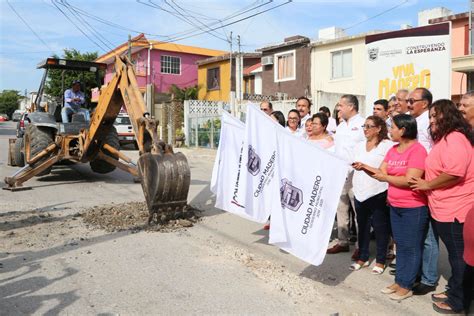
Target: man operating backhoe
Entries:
(73, 100)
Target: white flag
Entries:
(229, 188)
(260, 157)
(311, 182)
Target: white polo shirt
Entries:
(423, 125)
(332, 125)
(348, 135)
(363, 185)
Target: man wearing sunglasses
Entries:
(267, 107)
(418, 102)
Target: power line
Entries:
(80, 29)
(94, 32)
(375, 16)
(234, 22)
(233, 15)
(193, 17)
(182, 17)
(31, 29)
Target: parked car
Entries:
(16, 116)
(125, 130)
(21, 125)
(4, 117)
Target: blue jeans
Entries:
(373, 211)
(409, 226)
(429, 265)
(452, 236)
(66, 111)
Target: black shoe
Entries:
(423, 289)
(392, 272)
(392, 265)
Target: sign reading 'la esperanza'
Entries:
(407, 59)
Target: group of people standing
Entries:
(411, 183)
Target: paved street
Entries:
(222, 265)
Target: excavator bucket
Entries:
(165, 180)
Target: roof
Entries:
(294, 40)
(223, 57)
(345, 38)
(453, 17)
(249, 69)
(141, 42)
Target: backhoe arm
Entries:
(122, 89)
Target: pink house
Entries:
(160, 63)
(459, 48)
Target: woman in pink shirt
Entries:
(408, 209)
(449, 185)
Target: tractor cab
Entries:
(46, 109)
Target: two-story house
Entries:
(160, 64)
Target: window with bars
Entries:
(170, 65)
(213, 79)
(341, 62)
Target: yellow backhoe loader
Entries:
(164, 175)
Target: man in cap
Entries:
(73, 100)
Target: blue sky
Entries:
(21, 50)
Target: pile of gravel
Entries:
(133, 216)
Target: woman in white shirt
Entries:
(371, 195)
(293, 122)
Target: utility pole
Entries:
(231, 95)
(240, 70)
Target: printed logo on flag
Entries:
(253, 164)
(291, 196)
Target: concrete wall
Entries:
(327, 91)
(258, 83)
(459, 45)
(294, 88)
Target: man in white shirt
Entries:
(401, 105)
(466, 106)
(303, 106)
(381, 110)
(349, 133)
(418, 102)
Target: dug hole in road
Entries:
(77, 244)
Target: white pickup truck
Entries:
(125, 130)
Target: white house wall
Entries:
(327, 91)
(258, 83)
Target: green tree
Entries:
(181, 94)
(9, 101)
(53, 84)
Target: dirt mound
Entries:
(134, 216)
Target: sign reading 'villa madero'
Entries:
(407, 59)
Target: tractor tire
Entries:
(39, 138)
(101, 166)
(18, 155)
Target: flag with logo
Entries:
(261, 171)
(226, 175)
(311, 182)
